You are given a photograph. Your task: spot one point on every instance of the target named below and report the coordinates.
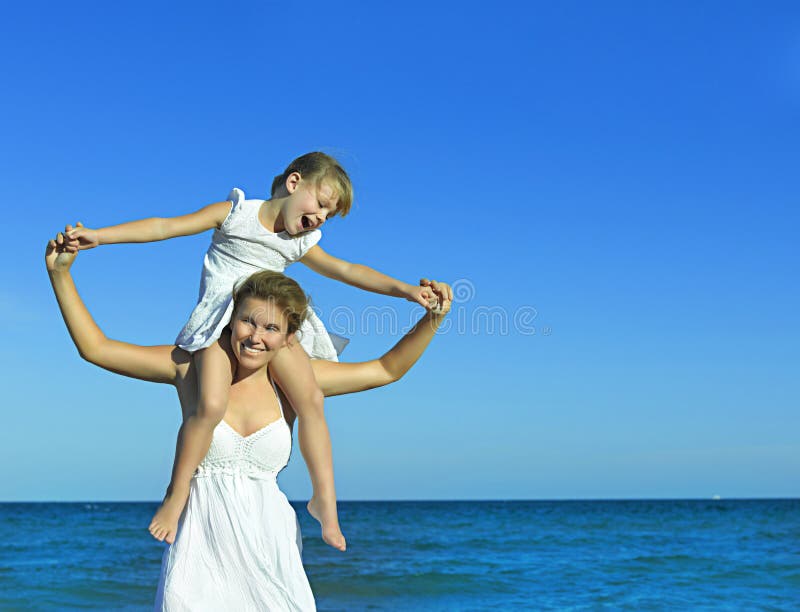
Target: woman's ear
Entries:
(293, 181)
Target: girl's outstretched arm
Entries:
(364, 277)
(340, 378)
(152, 363)
(149, 230)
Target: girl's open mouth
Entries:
(305, 222)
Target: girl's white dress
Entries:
(238, 544)
(240, 247)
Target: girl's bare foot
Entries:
(164, 525)
(325, 513)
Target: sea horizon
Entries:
(433, 499)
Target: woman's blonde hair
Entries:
(284, 291)
(317, 167)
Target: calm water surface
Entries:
(727, 554)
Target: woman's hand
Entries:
(57, 257)
(80, 238)
(443, 295)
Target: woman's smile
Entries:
(251, 350)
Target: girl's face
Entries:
(308, 205)
(258, 331)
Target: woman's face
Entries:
(258, 331)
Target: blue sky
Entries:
(626, 171)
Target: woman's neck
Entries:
(271, 215)
(247, 377)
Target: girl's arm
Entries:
(152, 363)
(149, 230)
(340, 378)
(364, 277)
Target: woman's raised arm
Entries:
(340, 378)
(151, 363)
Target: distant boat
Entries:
(716, 497)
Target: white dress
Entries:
(240, 247)
(238, 544)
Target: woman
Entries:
(239, 545)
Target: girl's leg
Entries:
(214, 380)
(291, 368)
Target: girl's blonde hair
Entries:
(317, 167)
(284, 291)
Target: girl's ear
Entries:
(289, 339)
(293, 181)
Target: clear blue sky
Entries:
(626, 169)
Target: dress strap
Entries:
(277, 396)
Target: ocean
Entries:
(460, 555)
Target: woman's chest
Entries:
(248, 413)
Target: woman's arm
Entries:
(152, 363)
(364, 277)
(149, 230)
(340, 378)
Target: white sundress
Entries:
(239, 248)
(238, 545)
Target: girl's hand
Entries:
(80, 238)
(443, 293)
(422, 295)
(57, 257)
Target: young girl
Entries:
(252, 235)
